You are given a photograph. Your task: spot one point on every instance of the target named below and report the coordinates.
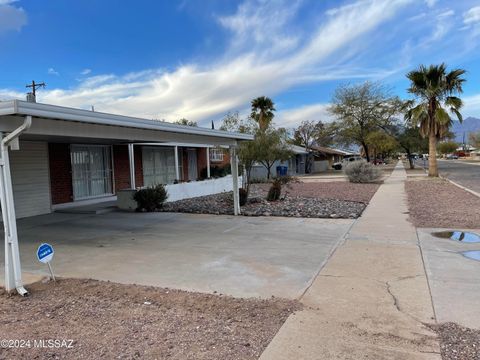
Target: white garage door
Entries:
(30, 179)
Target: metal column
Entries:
(208, 162)
(234, 165)
(13, 270)
(177, 170)
(131, 159)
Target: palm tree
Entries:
(434, 89)
(262, 111)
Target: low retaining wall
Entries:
(182, 191)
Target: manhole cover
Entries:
(462, 236)
(473, 254)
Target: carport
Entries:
(23, 122)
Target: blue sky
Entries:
(200, 59)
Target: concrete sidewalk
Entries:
(372, 297)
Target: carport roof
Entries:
(46, 111)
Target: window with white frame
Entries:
(216, 155)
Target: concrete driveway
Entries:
(239, 256)
(453, 278)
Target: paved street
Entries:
(466, 174)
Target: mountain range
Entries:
(462, 130)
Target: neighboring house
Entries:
(295, 165)
(73, 156)
(325, 157)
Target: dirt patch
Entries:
(437, 203)
(337, 190)
(108, 320)
(458, 342)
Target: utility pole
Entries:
(34, 87)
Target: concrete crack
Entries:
(396, 303)
(395, 300)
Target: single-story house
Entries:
(295, 165)
(54, 156)
(325, 157)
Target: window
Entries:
(91, 171)
(158, 165)
(216, 155)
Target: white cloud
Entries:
(85, 71)
(292, 117)
(431, 3)
(203, 92)
(7, 94)
(472, 16)
(52, 71)
(471, 106)
(260, 23)
(12, 18)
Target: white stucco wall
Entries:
(182, 191)
(200, 188)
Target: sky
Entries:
(200, 59)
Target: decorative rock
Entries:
(291, 207)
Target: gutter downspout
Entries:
(13, 270)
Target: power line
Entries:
(34, 86)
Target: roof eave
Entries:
(19, 107)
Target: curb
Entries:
(457, 184)
(461, 187)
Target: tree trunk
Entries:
(432, 155)
(410, 160)
(247, 180)
(365, 149)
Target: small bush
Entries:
(362, 172)
(243, 196)
(275, 191)
(216, 171)
(150, 199)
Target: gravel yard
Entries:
(458, 342)
(311, 200)
(337, 190)
(108, 320)
(437, 203)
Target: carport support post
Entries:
(208, 162)
(131, 159)
(177, 170)
(13, 270)
(234, 165)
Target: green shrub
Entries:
(216, 171)
(151, 198)
(243, 196)
(362, 172)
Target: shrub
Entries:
(243, 196)
(275, 191)
(216, 171)
(151, 198)
(362, 172)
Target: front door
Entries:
(192, 164)
(91, 171)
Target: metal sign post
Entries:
(45, 254)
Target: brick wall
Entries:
(60, 173)
(201, 161)
(184, 162)
(121, 167)
(61, 170)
